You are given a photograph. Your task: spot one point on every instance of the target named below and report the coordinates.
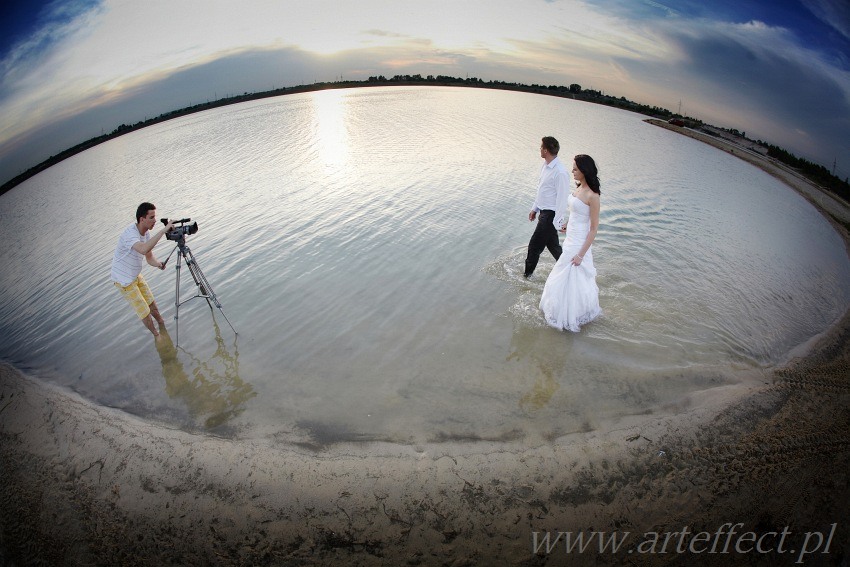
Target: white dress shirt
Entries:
(552, 191)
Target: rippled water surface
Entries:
(367, 245)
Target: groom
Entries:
(550, 204)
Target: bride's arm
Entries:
(593, 203)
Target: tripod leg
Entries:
(212, 295)
(198, 276)
(205, 290)
(177, 305)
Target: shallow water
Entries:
(367, 245)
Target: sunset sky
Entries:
(776, 69)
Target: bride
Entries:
(570, 296)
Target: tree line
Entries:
(817, 173)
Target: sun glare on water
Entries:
(328, 123)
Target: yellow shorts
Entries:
(139, 295)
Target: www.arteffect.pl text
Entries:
(729, 538)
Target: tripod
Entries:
(204, 289)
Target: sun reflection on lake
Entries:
(328, 124)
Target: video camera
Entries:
(180, 232)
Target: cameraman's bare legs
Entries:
(155, 314)
(148, 322)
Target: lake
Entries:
(367, 245)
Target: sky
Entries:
(777, 70)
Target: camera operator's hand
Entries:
(169, 227)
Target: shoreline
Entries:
(86, 484)
(832, 207)
(115, 479)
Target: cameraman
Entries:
(135, 244)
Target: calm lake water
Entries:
(368, 245)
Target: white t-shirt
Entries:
(127, 263)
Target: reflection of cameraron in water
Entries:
(179, 233)
(210, 387)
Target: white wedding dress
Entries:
(570, 296)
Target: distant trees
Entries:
(444, 79)
(817, 173)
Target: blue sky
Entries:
(776, 69)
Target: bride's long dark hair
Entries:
(587, 167)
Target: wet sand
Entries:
(90, 485)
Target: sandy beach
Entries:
(754, 474)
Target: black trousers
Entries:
(545, 236)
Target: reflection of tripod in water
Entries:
(204, 289)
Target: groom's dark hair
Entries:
(551, 144)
